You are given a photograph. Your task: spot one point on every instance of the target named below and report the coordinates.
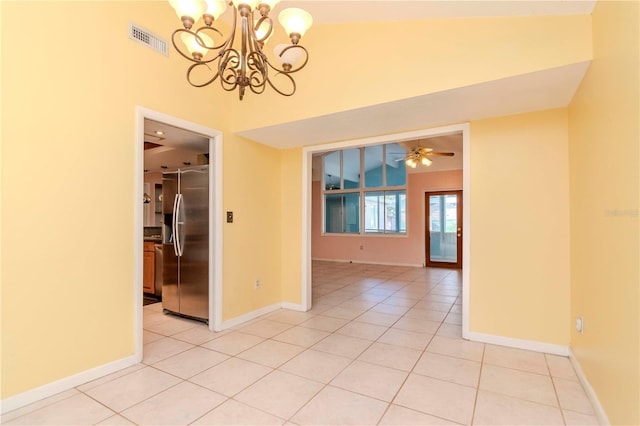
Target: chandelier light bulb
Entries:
(265, 6)
(188, 11)
(215, 8)
(261, 31)
(251, 3)
(197, 50)
(426, 162)
(288, 57)
(296, 22)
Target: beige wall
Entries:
(604, 141)
(519, 270)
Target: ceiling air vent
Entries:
(148, 39)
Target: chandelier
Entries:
(247, 66)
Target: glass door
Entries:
(444, 229)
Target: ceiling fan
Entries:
(421, 155)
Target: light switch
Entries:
(229, 217)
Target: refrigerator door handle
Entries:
(174, 226)
(179, 217)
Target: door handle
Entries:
(174, 226)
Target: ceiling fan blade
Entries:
(441, 154)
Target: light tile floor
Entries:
(382, 345)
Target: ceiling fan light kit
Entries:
(247, 66)
(420, 155)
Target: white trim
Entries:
(293, 307)
(512, 342)
(305, 264)
(307, 153)
(33, 395)
(591, 393)
(466, 227)
(249, 316)
(369, 262)
(215, 297)
(215, 222)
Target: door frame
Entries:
(427, 233)
(307, 153)
(215, 218)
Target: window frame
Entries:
(362, 190)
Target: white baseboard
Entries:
(370, 262)
(293, 306)
(249, 316)
(20, 400)
(530, 345)
(591, 393)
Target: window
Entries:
(342, 213)
(375, 174)
(385, 212)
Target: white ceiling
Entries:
(178, 148)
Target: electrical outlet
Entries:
(229, 217)
(361, 247)
(256, 284)
(579, 324)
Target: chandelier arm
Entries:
(293, 84)
(264, 38)
(292, 70)
(173, 41)
(260, 82)
(227, 69)
(208, 82)
(200, 42)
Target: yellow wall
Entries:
(604, 140)
(291, 186)
(252, 241)
(519, 207)
(357, 65)
(68, 137)
(68, 133)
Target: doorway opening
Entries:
(163, 144)
(310, 226)
(443, 229)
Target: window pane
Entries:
(385, 212)
(333, 213)
(342, 213)
(351, 168)
(352, 213)
(395, 165)
(395, 211)
(373, 166)
(332, 171)
(374, 212)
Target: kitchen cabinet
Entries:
(148, 268)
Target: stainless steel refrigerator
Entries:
(185, 238)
